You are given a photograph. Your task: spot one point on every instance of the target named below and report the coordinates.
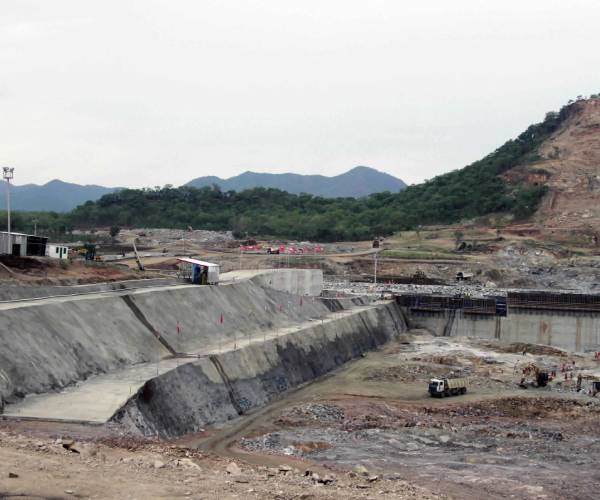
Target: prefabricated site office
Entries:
(22, 245)
(199, 271)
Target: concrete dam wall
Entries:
(50, 344)
(572, 330)
(224, 386)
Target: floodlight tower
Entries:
(7, 175)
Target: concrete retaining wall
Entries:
(247, 309)
(574, 331)
(296, 281)
(224, 386)
(47, 347)
(53, 343)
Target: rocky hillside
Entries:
(568, 164)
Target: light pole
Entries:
(375, 270)
(7, 175)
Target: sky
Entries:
(145, 93)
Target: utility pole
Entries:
(375, 273)
(7, 175)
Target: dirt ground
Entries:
(32, 271)
(36, 464)
(374, 417)
(367, 430)
(499, 255)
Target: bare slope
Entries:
(570, 167)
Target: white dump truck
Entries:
(440, 387)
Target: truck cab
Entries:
(436, 387)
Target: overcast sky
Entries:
(143, 93)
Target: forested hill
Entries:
(478, 189)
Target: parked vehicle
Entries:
(441, 387)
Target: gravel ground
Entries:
(498, 441)
(44, 467)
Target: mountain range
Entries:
(59, 196)
(54, 196)
(355, 183)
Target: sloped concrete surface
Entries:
(99, 397)
(190, 397)
(53, 343)
(93, 400)
(170, 360)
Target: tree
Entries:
(114, 230)
(458, 236)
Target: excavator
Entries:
(537, 376)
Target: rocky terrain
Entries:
(498, 441)
(47, 465)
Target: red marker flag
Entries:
(221, 319)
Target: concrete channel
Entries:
(169, 360)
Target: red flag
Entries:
(221, 319)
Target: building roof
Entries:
(196, 261)
(13, 233)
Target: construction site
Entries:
(194, 365)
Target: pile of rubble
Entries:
(161, 236)
(355, 288)
(317, 412)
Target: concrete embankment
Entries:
(224, 386)
(19, 292)
(301, 282)
(50, 344)
(571, 330)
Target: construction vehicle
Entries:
(441, 387)
(137, 257)
(273, 250)
(533, 375)
(89, 251)
(464, 276)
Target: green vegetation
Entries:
(48, 223)
(473, 191)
